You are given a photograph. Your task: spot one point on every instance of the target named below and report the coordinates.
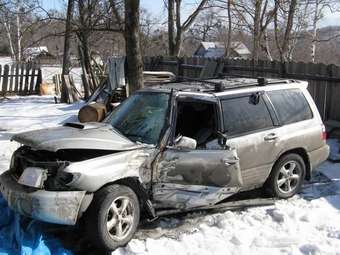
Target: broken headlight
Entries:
(61, 181)
(66, 178)
(33, 177)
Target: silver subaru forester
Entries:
(174, 147)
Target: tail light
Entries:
(323, 132)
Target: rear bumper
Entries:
(318, 156)
(60, 207)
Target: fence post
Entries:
(39, 81)
(180, 69)
(5, 80)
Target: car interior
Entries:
(197, 120)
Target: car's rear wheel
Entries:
(113, 217)
(287, 176)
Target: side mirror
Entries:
(255, 98)
(184, 142)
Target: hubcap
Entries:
(120, 218)
(289, 176)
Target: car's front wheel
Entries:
(113, 217)
(287, 176)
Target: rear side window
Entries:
(290, 105)
(242, 115)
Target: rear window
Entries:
(290, 105)
(242, 115)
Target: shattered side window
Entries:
(141, 117)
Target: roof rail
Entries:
(220, 86)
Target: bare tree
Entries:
(132, 42)
(175, 27)
(318, 9)
(15, 16)
(288, 8)
(227, 47)
(207, 26)
(66, 56)
(256, 16)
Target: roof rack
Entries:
(223, 85)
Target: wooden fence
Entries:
(324, 80)
(20, 79)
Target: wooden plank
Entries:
(11, 78)
(22, 75)
(27, 73)
(1, 78)
(17, 77)
(33, 76)
(38, 81)
(333, 100)
(5, 80)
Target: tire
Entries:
(287, 176)
(108, 225)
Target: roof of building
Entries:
(34, 51)
(217, 49)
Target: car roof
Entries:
(218, 85)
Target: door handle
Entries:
(271, 137)
(230, 161)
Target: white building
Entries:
(217, 49)
(33, 52)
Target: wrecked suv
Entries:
(174, 147)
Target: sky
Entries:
(156, 8)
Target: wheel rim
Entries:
(120, 218)
(289, 177)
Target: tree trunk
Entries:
(315, 20)
(171, 29)
(178, 40)
(66, 57)
(132, 44)
(256, 32)
(19, 37)
(266, 46)
(289, 26)
(227, 47)
(9, 37)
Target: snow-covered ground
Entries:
(305, 224)
(6, 60)
(21, 114)
(49, 71)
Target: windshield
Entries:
(141, 117)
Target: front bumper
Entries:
(60, 207)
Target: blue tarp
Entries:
(25, 239)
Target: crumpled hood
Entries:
(99, 136)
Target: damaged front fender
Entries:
(94, 173)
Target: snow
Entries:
(6, 60)
(308, 223)
(49, 71)
(19, 114)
